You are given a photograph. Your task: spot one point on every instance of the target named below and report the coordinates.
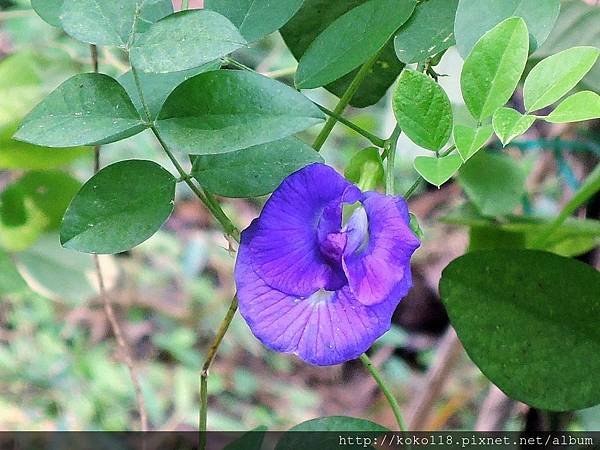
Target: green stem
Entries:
(390, 150)
(211, 204)
(138, 85)
(212, 352)
(587, 190)
(376, 141)
(390, 398)
(345, 100)
(185, 4)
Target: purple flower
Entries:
(314, 286)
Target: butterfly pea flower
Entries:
(320, 272)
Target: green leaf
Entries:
(365, 169)
(422, 110)
(311, 20)
(87, 109)
(251, 440)
(21, 155)
(185, 40)
(48, 10)
(493, 69)
(437, 170)
(576, 26)
(583, 105)
(475, 17)
(469, 140)
(11, 281)
(508, 124)
(255, 18)
(528, 320)
(108, 22)
(493, 182)
(158, 86)
(429, 31)
(350, 41)
(225, 111)
(310, 434)
(556, 75)
(119, 208)
(253, 171)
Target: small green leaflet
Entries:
(228, 110)
(185, 40)
(156, 87)
(307, 434)
(535, 313)
(119, 207)
(253, 171)
(422, 110)
(493, 182)
(48, 10)
(493, 69)
(584, 105)
(311, 20)
(87, 109)
(437, 170)
(350, 41)
(109, 22)
(556, 75)
(475, 17)
(365, 169)
(508, 124)
(429, 31)
(469, 140)
(11, 281)
(255, 18)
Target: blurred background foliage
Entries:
(59, 368)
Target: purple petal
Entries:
(325, 328)
(378, 265)
(284, 248)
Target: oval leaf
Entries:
(108, 22)
(87, 109)
(437, 170)
(469, 140)
(118, 208)
(255, 18)
(584, 105)
(350, 41)
(310, 434)
(429, 31)
(475, 17)
(185, 40)
(508, 124)
(531, 333)
(311, 20)
(494, 183)
(494, 67)
(253, 171)
(224, 111)
(422, 110)
(556, 75)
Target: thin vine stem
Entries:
(185, 4)
(108, 309)
(212, 352)
(390, 149)
(375, 140)
(386, 391)
(345, 100)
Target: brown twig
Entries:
(422, 405)
(108, 309)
